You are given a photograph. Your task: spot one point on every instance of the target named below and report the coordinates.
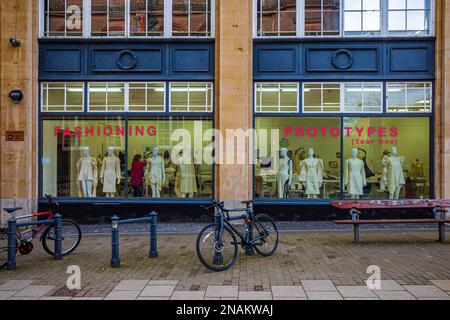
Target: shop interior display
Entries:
(354, 175)
(395, 175)
(155, 173)
(110, 173)
(311, 175)
(87, 174)
(284, 177)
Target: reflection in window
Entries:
(409, 97)
(63, 18)
(407, 176)
(192, 96)
(146, 97)
(146, 18)
(321, 97)
(276, 17)
(106, 96)
(191, 18)
(155, 163)
(322, 17)
(83, 157)
(60, 96)
(363, 97)
(362, 17)
(276, 97)
(409, 17)
(313, 155)
(108, 18)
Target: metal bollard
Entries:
(115, 257)
(12, 243)
(153, 235)
(58, 237)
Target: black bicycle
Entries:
(217, 246)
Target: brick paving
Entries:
(314, 265)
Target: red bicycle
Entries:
(71, 233)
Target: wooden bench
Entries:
(356, 210)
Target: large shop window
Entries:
(381, 158)
(63, 18)
(89, 158)
(276, 17)
(127, 18)
(62, 97)
(395, 154)
(285, 145)
(343, 97)
(409, 17)
(277, 97)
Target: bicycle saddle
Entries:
(11, 210)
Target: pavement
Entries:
(308, 266)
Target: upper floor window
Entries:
(62, 96)
(191, 97)
(276, 17)
(276, 97)
(63, 18)
(409, 17)
(332, 18)
(127, 18)
(409, 97)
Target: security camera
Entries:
(16, 96)
(15, 42)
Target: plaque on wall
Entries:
(15, 136)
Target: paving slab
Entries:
(391, 285)
(442, 284)
(122, 295)
(394, 295)
(56, 298)
(6, 294)
(288, 292)
(34, 291)
(15, 285)
(222, 292)
(255, 295)
(163, 282)
(87, 298)
(356, 292)
(323, 295)
(426, 291)
(188, 295)
(318, 285)
(158, 291)
(152, 298)
(131, 285)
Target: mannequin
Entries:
(312, 175)
(395, 176)
(110, 173)
(188, 183)
(87, 169)
(384, 160)
(284, 172)
(157, 173)
(355, 175)
(417, 169)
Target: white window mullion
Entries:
(86, 18)
(384, 18)
(168, 18)
(213, 18)
(126, 96)
(300, 18)
(342, 97)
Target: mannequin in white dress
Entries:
(355, 176)
(284, 172)
(110, 173)
(395, 176)
(157, 173)
(87, 169)
(311, 175)
(188, 183)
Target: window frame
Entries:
(405, 84)
(86, 24)
(256, 84)
(384, 24)
(188, 83)
(429, 32)
(44, 86)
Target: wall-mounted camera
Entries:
(16, 96)
(15, 42)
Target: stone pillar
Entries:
(233, 97)
(19, 159)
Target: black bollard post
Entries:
(115, 257)
(58, 237)
(153, 235)
(12, 243)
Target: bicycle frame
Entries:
(36, 215)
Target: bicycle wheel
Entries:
(210, 255)
(71, 237)
(265, 227)
(3, 247)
